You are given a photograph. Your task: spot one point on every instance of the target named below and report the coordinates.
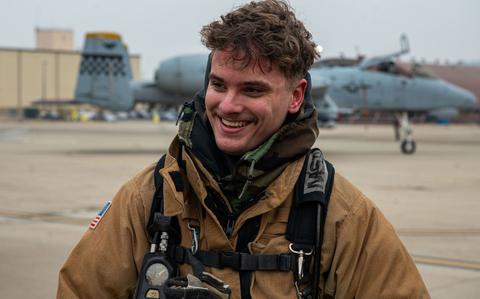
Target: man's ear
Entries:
(298, 94)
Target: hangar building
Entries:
(48, 72)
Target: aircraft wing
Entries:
(148, 92)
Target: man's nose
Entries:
(230, 104)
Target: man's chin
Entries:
(231, 148)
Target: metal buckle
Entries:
(300, 259)
(230, 259)
(195, 237)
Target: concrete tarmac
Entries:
(55, 176)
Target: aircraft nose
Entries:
(467, 99)
(470, 100)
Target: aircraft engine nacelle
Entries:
(182, 75)
(443, 114)
(327, 110)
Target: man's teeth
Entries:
(235, 124)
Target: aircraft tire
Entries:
(408, 146)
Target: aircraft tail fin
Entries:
(404, 49)
(105, 73)
(404, 44)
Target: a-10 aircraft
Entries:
(383, 84)
(376, 84)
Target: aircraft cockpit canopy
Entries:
(422, 71)
(402, 69)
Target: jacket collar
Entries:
(199, 178)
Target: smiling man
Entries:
(246, 105)
(238, 206)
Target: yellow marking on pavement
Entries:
(445, 262)
(438, 232)
(43, 217)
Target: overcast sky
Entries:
(157, 29)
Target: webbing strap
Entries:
(157, 202)
(305, 227)
(157, 221)
(247, 234)
(238, 261)
(311, 190)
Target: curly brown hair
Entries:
(266, 32)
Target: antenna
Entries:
(404, 44)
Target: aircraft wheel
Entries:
(408, 146)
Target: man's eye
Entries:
(217, 85)
(253, 91)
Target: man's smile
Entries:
(233, 123)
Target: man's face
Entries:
(246, 106)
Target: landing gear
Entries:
(408, 146)
(403, 132)
(396, 128)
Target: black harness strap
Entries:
(157, 220)
(247, 234)
(309, 210)
(157, 202)
(218, 206)
(176, 177)
(238, 261)
(310, 191)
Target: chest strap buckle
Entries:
(195, 238)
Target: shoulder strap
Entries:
(247, 234)
(157, 202)
(313, 188)
(309, 209)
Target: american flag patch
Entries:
(100, 215)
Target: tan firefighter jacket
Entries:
(361, 252)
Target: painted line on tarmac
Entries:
(439, 232)
(53, 217)
(446, 262)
